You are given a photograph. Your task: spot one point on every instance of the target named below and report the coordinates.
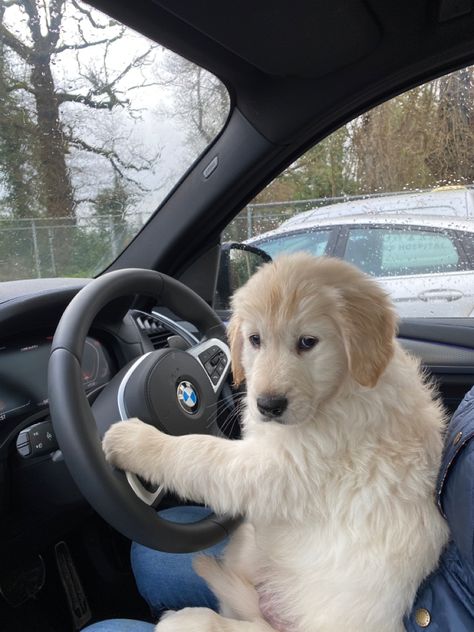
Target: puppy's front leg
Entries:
(225, 475)
(205, 620)
(134, 446)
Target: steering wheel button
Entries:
(23, 444)
(209, 368)
(24, 450)
(205, 355)
(215, 377)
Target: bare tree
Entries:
(200, 102)
(36, 50)
(450, 153)
(16, 175)
(421, 139)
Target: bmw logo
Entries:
(187, 397)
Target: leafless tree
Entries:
(199, 101)
(52, 28)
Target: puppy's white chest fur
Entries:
(319, 580)
(346, 528)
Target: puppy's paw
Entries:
(125, 442)
(189, 620)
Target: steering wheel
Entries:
(173, 389)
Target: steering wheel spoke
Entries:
(147, 492)
(214, 357)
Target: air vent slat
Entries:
(156, 332)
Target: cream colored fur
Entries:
(341, 524)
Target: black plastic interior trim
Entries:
(450, 331)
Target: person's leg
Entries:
(120, 625)
(167, 581)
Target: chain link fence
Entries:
(54, 247)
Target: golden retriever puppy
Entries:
(336, 470)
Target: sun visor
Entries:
(286, 39)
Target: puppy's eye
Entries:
(305, 343)
(255, 340)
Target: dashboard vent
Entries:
(157, 333)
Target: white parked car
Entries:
(425, 262)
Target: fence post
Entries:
(249, 222)
(35, 249)
(51, 251)
(113, 237)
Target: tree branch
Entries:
(33, 20)
(56, 12)
(117, 163)
(20, 85)
(14, 43)
(131, 65)
(60, 49)
(84, 99)
(101, 88)
(88, 14)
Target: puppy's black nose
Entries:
(272, 406)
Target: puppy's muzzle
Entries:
(273, 406)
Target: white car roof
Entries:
(429, 221)
(455, 202)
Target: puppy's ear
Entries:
(369, 325)
(234, 336)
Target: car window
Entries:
(398, 251)
(314, 242)
(97, 125)
(400, 178)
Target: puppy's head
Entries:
(301, 326)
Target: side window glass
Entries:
(314, 242)
(363, 250)
(418, 252)
(403, 251)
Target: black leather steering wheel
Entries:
(175, 390)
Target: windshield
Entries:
(97, 124)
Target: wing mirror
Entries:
(238, 262)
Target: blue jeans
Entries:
(166, 581)
(120, 625)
